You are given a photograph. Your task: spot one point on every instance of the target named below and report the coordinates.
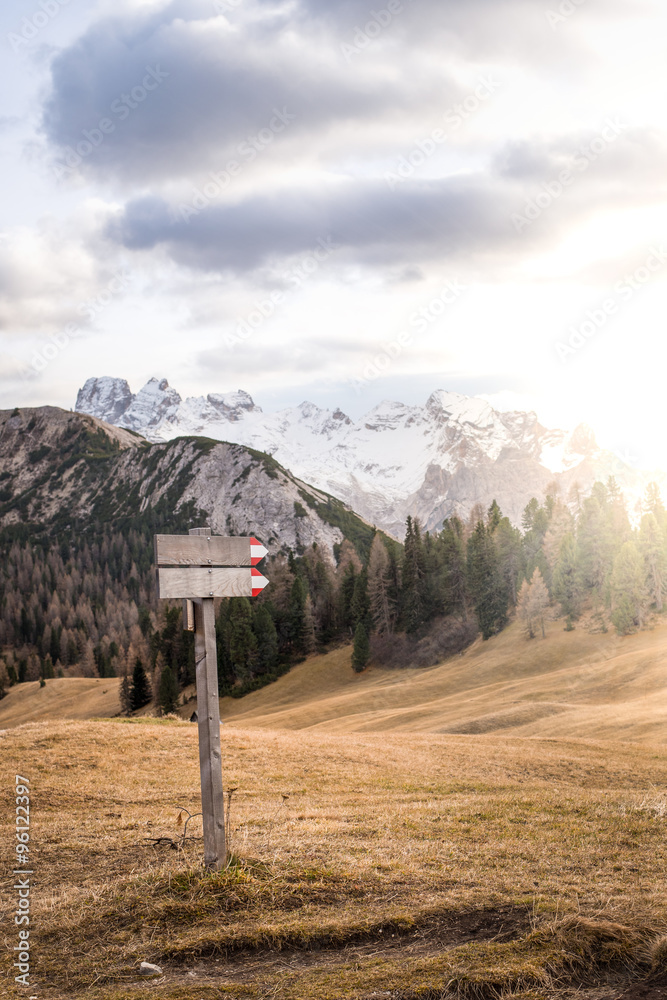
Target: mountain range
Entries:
(430, 461)
(64, 471)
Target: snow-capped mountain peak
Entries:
(431, 461)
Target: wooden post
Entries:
(208, 718)
(197, 569)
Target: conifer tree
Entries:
(267, 640)
(653, 504)
(628, 589)
(532, 603)
(309, 633)
(454, 571)
(361, 649)
(168, 691)
(360, 608)
(346, 593)
(413, 598)
(651, 542)
(494, 516)
(226, 675)
(140, 693)
(510, 555)
(485, 583)
(566, 578)
(242, 641)
(381, 610)
(297, 617)
(125, 695)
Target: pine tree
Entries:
(532, 603)
(494, 516)
(651, 543)
(566, 584)
(653, 504)
(454, 572)
(242, 641)
(628, 589)
(299, 638)
(125, 695)
(414, 605)
(168, 691)
(267, 640)
(594, 544)
(226, 676)
(140, 693)
(485, 583)
(381, 610)
(510, 554)
(360, 608)
(523, 608)
(346, 593)
(529, 512)
(361, 649)
(309, 633)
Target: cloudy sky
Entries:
(340, 201)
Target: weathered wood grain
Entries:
(201, 550)
(208, 721)
(193, 582)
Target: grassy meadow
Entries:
(376, 851)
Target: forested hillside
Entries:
(77, 585)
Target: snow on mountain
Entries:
(430, 461)
(104, 398)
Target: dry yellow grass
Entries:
(60, 698)
(410, 835)
(570, 684)
(397, 865)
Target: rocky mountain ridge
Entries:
(430, 461)
(59, 469)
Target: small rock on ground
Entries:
(146, 969)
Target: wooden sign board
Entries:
(207, 550)
(192, 582)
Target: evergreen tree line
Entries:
(89, 608)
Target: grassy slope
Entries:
(60, 698)
(571, 684)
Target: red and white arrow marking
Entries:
(259, 582)
(257, 552)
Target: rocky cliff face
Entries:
(431, 461)
(59, 469)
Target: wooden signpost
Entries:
(199, 567)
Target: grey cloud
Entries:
(219, 86)
(454, 219)
(366, 220)
(224, 79)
